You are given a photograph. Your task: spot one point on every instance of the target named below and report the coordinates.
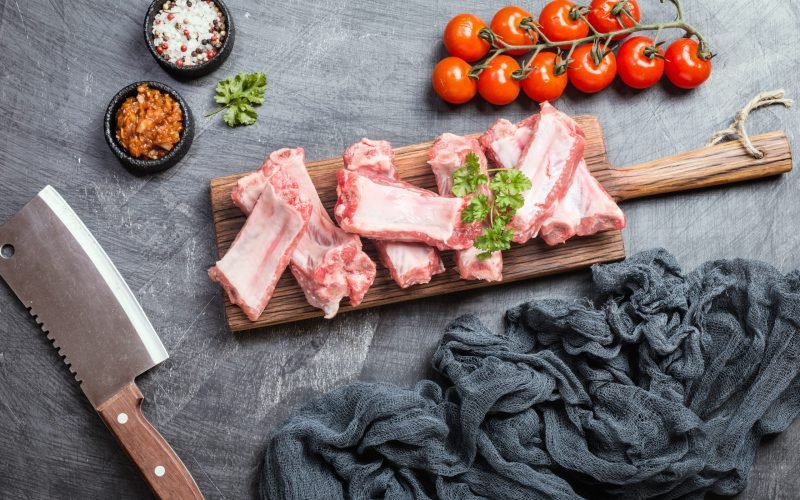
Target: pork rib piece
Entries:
(549, 161)
(447, 155)
(263, 248)
(328, 263)
(393, 210)
(408, 263)
(586, 208)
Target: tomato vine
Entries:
(601, 42)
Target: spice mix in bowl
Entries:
(149, 127)
(189, 38)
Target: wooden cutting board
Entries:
(722, 164)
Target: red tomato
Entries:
(604, 21)
(543, 84)
(495, 83)
(641, 64)
(452, 82)
(559, 24)
(686, 68)
(505, 24)
(461, 38)
(587, 76)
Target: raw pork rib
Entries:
(408, 263)
(549, 160)
(448, 154)
(328, 263)
(385, 209)
(586, 208)
(262, 249)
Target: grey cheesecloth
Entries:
(663, 390)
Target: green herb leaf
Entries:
(469, 177)
(239, 95)
(477, 209)
(510, 181)
(505, 200)
(493, 239)
(503, 219)
(507, 188)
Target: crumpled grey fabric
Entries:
(663, 390)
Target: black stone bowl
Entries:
(142, 166)
(188, 72)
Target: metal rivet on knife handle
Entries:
(7, 251)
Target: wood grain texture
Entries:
(157, 462)
(366, 73)
(532, 260)
(725, 163)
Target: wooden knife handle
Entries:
(153, 456)
(710, 166)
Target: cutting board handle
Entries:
(710, 166)
(154, 457)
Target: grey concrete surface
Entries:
(338, 70)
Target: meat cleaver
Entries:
(59, 272)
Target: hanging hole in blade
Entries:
(7, 251)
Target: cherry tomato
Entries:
(495, 83)
(543, 84)
(588, 77)
(461, 38)
(604, 21)
(685, 67)
(505, 24)
(452, 82)
(557, 22)
(641, 65)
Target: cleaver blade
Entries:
(76, 295)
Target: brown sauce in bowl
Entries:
(149, 124)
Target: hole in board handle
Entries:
(7, 251)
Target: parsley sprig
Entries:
(506, 186)
(239, 95)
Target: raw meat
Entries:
(549, 161)
(408, 263)
(385, 209)
(328, 263)
(371, 157)
(504, 142)
(586, 208)
(247, 191)
(263, 248)
(447, 155)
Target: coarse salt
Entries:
(184, 31)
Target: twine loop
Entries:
(738, 130)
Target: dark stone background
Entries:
(338, 70)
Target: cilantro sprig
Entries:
(507, 187)
(238, 96)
